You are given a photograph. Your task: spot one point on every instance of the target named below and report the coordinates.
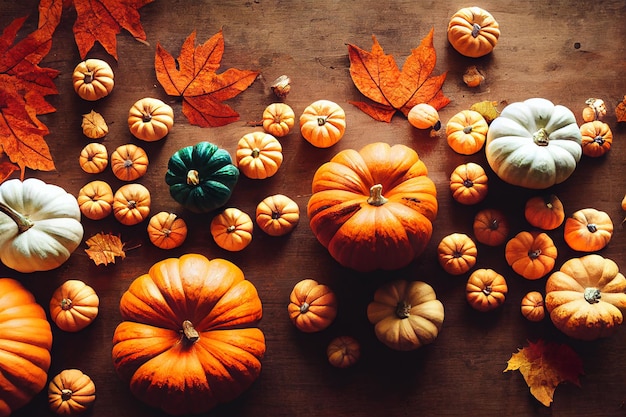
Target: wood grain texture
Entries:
(462, 372)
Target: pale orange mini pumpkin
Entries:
(343, 351)
(166, 230)
(278, 119)
(466, 132)
(94, 158)
(74, 305)
(259, 155)
(469, 183)
(232, 229)
(150, 119)
(473, 31)
(93, 79)
(129, 162)
(277, 215)
(71, 392)
(491, 227)
(486, 290)
(531, 254)
(533, 306)
(95, 200)
(457, 253)
(588, 230)
(131, 204)
(312, 306)
(424, 116)
(323, 123)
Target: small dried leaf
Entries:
(620, 111)
(473, 77)
(104, 247)
(488, 109)
(94, 126)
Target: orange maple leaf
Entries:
(620, 110)
(23, 88)
(193, 77)
(104, 247)
(102, 20)
(544, 366)
(378, 77)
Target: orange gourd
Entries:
(595, 109)
(232, 229)
(277, 215)
(424, 116)
(278, 119)
(473, 31)
(596, 138)
(95, 200)
(129, 162)
(150, 119)
(373, 208)
(466, 132)
(588, 230)
(131, 204)
(312, 306)
(486, 290)
(94, 158)
(491, 227)
(71, 392)
(531, 254)
(74, 305)
(93, 79)
(188, 339)
(343, 351)
(457, 253)
(533, 306)
(544, 211)
(323, 123)
(469, 183)
(166, 230)
(259, 155)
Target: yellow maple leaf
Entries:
(544, 365)
(104, 247)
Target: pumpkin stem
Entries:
(88, 77)
(599, 140)
(541, 137)
(321, 120)
(23, 222)
(146, 117)
(467, 129)
(534, 254)
(494, 224)
(231, 228)
(255, 152)
(193, 177)
(468, 183)
(128, 163)
(403, 310)
(592, 227)
(592, 295)
(66, 394)
(304, 307)
(487, 290)
(190, 333)
(376, 198)
(66, 304)
(475, 30)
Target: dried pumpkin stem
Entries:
(146, 117)
(475, 30)
(193, 177)
(255, 152)
(66, 394)
(376, 197)
(541, 137)
(592, 227)
(231, 228)
(66, 304)
(592, 295)
(321, 121)
(487, 290)
(88, 77)
(23, 223)
(467, 129)
(534, 254)
(403, 310)
(190, 333)
(304, 307)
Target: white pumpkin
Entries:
(534, 144)
(39, 225)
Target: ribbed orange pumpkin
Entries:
(531, 254)
(373, 208)
(188, 340)
(312, 306)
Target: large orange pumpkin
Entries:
(373, 208)
(188, 340)
(25, 340)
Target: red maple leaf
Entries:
(377, 76)
(102, 20)
(193, 77)
(23, 88)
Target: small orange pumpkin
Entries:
(232, 229)
(544, 211)
(129, 162)
(278, 119)
(343, 351)
(596, 138)
(131, 204)
(473, 31)
(457, 253)
(491, 227)
(312, 306)
(93, 79)
(466, 132)
(469, 183)
(588, 230)
(486, 290)
(167, 230)
(532, 306)
(531, 254)
(74, 305)
(323, 123)
(259, 155)
(424, 116)
(277, 215)
(93, 158)
(71, 392)
(95, 200)
(150, 119)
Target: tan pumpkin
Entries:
(424, 116)
(94, 158)
(597, 138)
(491, 227)
(93, 79)
(586, 298)
(166, 230)
(544, 211)
(486, 290)
(74, 305)
(312, 306)
(150, 119)
(95, 200)
(533, 307)
(466, 132)
(457, 253)
(406, 314)
(129, 162)
(343, 351)
(473, 31)
(469, 183)
(278, 119)
(259, 155)
(277, 215)
(71, 392)
(131, 204)
(232, 229)
(323, 123)
(588, 230)
(531, 254)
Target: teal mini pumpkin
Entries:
(201, 177)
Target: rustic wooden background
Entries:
(462, 372)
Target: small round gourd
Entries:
(94, 158)
(277, 215)
(473, 31)
(131, 204)
(74, 305)
(259, 155)
(93, 79)
(531, 254)
(457, 253)
(95, 200)
(544, 211)
(424, 116)
(71, 392)
(532, 306)
(343, 351)
(232, 229)
(588, 230)
(597, 138)
(466, 132)
(129, 162)
(312, 306)
(491, 227)
(150, 119)
(323, 123)
(278, 119)
(486, 290)
(166, 230)
(469, 183)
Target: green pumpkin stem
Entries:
(376, 198)
(23, 223)
(190, 333)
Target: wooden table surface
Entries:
(461, 373)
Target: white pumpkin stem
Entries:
(376, 197)
(475, 30)
(190, 333)
(592, 295)
(23, 223)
